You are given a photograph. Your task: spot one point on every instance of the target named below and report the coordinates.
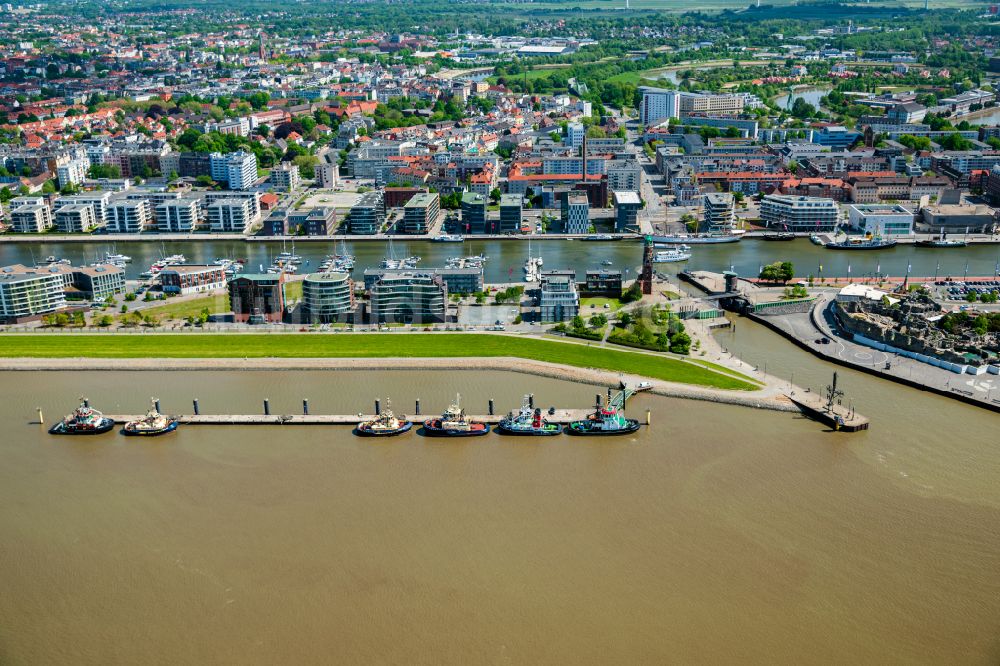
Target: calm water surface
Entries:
(506, 257)
(719, 535)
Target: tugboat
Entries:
(152, 424)
(454, 423)
(84, 420)
(385, 424)
(607, 419)
(527, 421)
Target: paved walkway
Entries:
(807, 328)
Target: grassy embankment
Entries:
(436, 345)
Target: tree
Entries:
(633, 293)
(680, 343)
(495, 194)
(779, 271)
(578, 323)
(598, 321)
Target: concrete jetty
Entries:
(562, 416)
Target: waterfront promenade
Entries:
(807, 329)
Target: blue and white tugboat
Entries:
(151, 425)
(85, 420)
(527, 421)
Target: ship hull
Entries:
(859, 247)
(60, 428)
(406, 427)
(633, 425)
(939, 244)
(432, 430)
(694, 240)
(170, 427)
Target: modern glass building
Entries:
(327, 297)
(406, 298)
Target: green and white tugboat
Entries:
(527, 421)
(608, 418)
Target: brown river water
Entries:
(719, 535)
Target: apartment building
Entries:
(31, 218)
(558, 298)
(230, 215)
(327, 297)
(76, 218)
(192, 279)
(238, 170)
(327, 175)
(720, 211)
(177, 216)
(28, 294)
(368, 214)
(129, 216)
(627, 207)
(285, 177)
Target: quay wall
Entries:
(815, 351)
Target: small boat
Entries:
(780, 236)
(85, 420)
(385, 424)
(607, 262)
(816, 240)
(862, 244)
(670, 256)
(527, 421)
(448, 238)
(150, 425)
(454, 423)
(607, 419)
(601, 237)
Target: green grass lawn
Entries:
(437, 345)
(188, 308)
(591, 306)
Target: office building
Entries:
(76, 218)
(511, 213)
(315, 222)
(558, 298)
(627, 207)
(257, 298)
(130, 216)
(604, 282)
(574, 135)
(177, 216)
(720, 211)
(420, 212)
(658, 105)
(285, 176)
(799, 214)
(28, 294)
(575, 213)
(474, 214)
(881, 219)
(408, 297)
(327, 297)
(368, 214)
